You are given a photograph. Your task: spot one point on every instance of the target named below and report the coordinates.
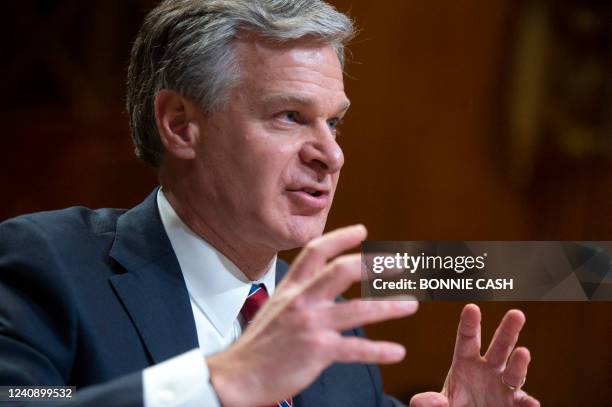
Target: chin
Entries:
(302, 231)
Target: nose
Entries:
(322, 153)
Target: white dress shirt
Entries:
(217, 290)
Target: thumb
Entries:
(429, 399)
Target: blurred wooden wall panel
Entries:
(422, 143)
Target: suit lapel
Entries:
(152, 289)
(154, 294)
(314, 395)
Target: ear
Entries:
(177, 124)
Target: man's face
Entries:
(268, 163)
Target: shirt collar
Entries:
(214, 283)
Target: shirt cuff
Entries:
(182, 381)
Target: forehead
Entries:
(304, 65)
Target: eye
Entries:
(289, 116)
(334, 123)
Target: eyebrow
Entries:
(301, 100)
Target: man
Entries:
(236, 104)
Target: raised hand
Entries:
(296, 334)
(494, 379)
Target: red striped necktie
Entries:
(257, 296)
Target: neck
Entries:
(252, 261)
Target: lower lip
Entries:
(306, 200)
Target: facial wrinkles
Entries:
(305, 73)
(246, 164)
(312, 77)
(325, 104)
(311, 80)
(252, 140)
(308, 63)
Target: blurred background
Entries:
(471, 120)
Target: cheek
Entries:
(335, 178)
(334, 185)
(264, 177)
(282, 149)
(278, 161)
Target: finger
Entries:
(467, 344)
(337, 277)
(429, 399)
(505, 338)
(528, 401)
(516, 369)
(353, 313)
(360, 350)
(318, 251)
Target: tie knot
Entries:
(257, 296)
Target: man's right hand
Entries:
(296, 334)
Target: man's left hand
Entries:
(494, 379)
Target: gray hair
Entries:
(186, 46)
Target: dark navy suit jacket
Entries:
(89, 298)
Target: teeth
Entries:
(310, 191)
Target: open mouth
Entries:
(313, 199)
(312, 192)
